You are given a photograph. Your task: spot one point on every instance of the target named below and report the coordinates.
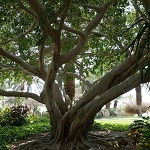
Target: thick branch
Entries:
(20, 94)
(94, 106)
(73, 53)
(119, 89)
(38, 9)
(62, 106)
(64, 40)
(41, 58)
(146, 4)
(103, 85)
(16, 69)
(77, 32)
(98, 18)
(19, 61)
(83, 39)
(64, 14)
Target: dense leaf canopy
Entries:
(22, 35)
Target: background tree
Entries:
(139, 99)
(40, 37)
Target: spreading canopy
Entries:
(43, 39)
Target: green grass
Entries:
(117, 120)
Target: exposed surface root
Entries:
(96, 141)
(39, 142)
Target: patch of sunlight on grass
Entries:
(123, 120)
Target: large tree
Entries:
(40, 39)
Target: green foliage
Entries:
(9, 134)
(109, 127)
(138, 48)
(15, 116)
(14, 21)
(34, 118)
(112, 112)
(144, 124)
(140, 133)
(5, 116)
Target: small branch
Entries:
(64, 40)
(66, 7)
(21, 34)
(99, 34)
(41, 58)
(26, 9)
(68, 56)
(98, 17)
(97, 54)
(69, 29)
(138, 11)
(19, 61)
(120, 45)
(11, 68)
(93, 7)
(20, 94)
(41, 61)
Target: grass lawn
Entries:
(118, 120)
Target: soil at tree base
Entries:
(115, 140)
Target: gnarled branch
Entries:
(20, 94)
(20, 61)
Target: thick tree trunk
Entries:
(73, 126)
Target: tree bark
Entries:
(115, 104)
(139, 99)
(108, 106)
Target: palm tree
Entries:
(139, 99)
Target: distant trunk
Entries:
(139, 99)
(115, 104)
(108, 106)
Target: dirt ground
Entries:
(115, 140)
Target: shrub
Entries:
(14, 116)
(109, 127)
(133, 109)
(144, 124)
(35, 118)
(9, 134)
(112, 112)
(140, 132)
